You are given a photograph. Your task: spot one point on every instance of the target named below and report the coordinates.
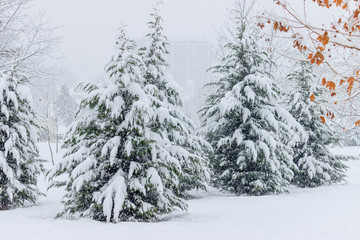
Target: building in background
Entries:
(189, 61)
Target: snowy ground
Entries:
(310, 214)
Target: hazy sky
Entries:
(89, 26)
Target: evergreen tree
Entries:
(163, 89)
(120, 156)
(19, 165)
(65, 107)
(316, 164)
(250, 132)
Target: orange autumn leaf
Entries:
(333, 94)
(323, 3)
(322, 119)
(327, 3)
(357, 123)
(323, 81)
(342, 81)
(356, 13)
(331, 85)
(321, 49)
(338, 2)
(324, 39)
(299, 46)
(312, 98)
(330, 115)
(318, 58)
(278, 26)
(350, 81)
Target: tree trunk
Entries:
(51, 152)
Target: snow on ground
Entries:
(310, 214)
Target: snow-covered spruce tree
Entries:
(119, 157)
(65, 107)
(316, 164)
(178, 130)
(250, 132)
(19, 165)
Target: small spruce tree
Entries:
(316, 164)
(65, 107)
(19, 163)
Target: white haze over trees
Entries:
(130, 143)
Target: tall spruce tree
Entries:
(250, 132)
(316, 164)
(180, 132)
(19, 163)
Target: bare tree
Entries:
(27, 41)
